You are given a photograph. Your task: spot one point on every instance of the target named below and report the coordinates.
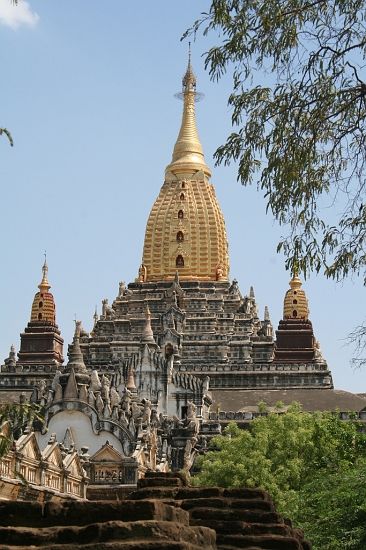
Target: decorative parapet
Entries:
(53, 470)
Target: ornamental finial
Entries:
(189, 81)
(44, 285)
(188, 155)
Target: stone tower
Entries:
(41, 342)
(295, 340)
(185, 232)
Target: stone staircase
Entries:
(242, 518)
(164, 513)
(94, 525)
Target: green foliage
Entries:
(14, 418)
(262, 406)
(333, 511)
(298, 114)
(292, 455)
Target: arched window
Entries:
(294, 313)
(182, 197)
(180, 215)
(183, 185)
(180, 236)
(294, 301)
(40, 304)
(179, 262)
(39, 316)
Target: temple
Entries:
(177, 354)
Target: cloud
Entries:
(15, 16)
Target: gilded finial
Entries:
(295, 282)
(188, 153)
(44, 285)
(189, 81)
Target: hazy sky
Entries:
(87, 90)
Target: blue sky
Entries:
(87, 90)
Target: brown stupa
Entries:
(295, 341)
(41, 342)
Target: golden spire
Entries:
(295, 303)
(185, 232)
(188, 153)
(44, 285)
(43, 307)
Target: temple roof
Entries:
(310, 399)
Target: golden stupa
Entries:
(43, 307)
(295, 304)
(185, 230)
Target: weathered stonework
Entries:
(163, 514)
(29, 473)
(210, 330)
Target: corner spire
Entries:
(76, 359)
(266, 314)
(147, 333)
(188, 153)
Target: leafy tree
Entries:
(14, 418)
(286, 454)
(358, 338)
(333, 511)
(298, 114)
